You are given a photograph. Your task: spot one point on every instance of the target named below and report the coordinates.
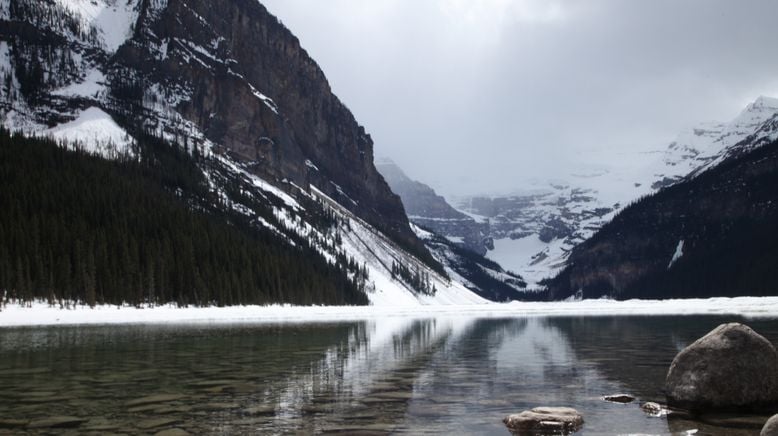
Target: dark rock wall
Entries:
(305, 135)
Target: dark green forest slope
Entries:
(78, 228)
(727, 218)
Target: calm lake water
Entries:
(395, 375)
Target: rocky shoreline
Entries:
(729, 377)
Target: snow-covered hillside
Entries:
(534, 228)
(112, 20)
(370, 247)
(102, 71)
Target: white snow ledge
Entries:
(40, 314)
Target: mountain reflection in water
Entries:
(393, 375)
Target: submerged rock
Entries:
(57, 422)
(732, 367)
(12, 423)
(552, 419)
(156, 422)
(619, 398)
(653, 409)
(172, 432)
(268, 409)
(154, 399)
(771, 427)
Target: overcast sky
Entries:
(475, 96)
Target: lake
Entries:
(446, 374)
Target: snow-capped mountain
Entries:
(429, 210)
(709, 144)
(228, 83)
(711, 235)
(461, 250)
(535, 228)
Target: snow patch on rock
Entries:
(93, 86)
(113, 19)
(677, 255)
(94, 131)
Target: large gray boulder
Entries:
(557, 420)
(771, 427)
(732, 367)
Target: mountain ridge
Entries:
(461, 251)
(714, 234)
(535, 231)
(427, 209)
(231, 87)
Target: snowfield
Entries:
(41, 314)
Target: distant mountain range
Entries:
(533, 231)
(429, 210)
(462, 250)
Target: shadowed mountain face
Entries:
(225, 76)
(712, 235)
(259, 95)
(228, 89)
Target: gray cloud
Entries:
(478, 96)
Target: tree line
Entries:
(76, 228)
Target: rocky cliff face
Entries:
(431, 211)
(222, 76)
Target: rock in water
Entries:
(771, 427)
(57, 422)
(619, 398)
(561, 420)
(653, 409)
(732, 367)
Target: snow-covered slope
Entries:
(479, 274)
(379, 253)
(95, 73)
(93, 131)
(111, 20)
(535, 228)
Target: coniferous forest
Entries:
(77, 228)
(723, 225)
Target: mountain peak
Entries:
(764, 102)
